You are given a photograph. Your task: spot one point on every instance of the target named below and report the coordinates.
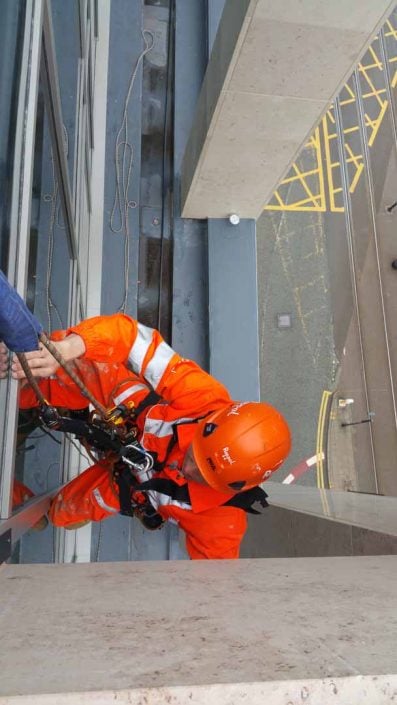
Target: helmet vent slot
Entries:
(208, 429)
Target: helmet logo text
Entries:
(234, 411)
(226, 456)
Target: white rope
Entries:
(99, 543)
(54, 218)
(123, 159)
(52, 199)
(60, 224)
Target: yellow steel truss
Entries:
(314, 181)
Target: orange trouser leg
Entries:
(20, 494)
(214, 533)
(88, 497)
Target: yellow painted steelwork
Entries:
(319, 188)
(320, 454)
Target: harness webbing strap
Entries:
(126, 484)
(245, 500)
(150, 400)
(174, 438)
(145, 512)
(180, 493)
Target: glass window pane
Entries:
(39, 454)
(11, 37)
(48, 277)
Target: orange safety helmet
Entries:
(241, 446)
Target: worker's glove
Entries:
(4, 360)
(148, 516)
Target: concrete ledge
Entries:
(273, 71)
(366, 690)
(308, 630)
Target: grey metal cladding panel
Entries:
(190, 65)
(125, 47)
(190, 287)
(233, 304)
(123, 538)
(111, 539)
(5, 546)
(190, 291)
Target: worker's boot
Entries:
(41, 524)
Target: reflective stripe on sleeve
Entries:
(127, 393)
(140, 347)
(158, 499)
(158, 364)
(162, 428)
(101, 502)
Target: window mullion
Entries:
(20, 219)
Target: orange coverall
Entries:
(187, 394)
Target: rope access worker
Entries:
(209, 453)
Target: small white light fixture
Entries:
(343, 403)
(234, 219)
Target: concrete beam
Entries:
(273, 71)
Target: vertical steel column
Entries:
(190, 268)
(233, 306)
(94, 284)
(232, 289)
(215, 9)
(53, 106)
